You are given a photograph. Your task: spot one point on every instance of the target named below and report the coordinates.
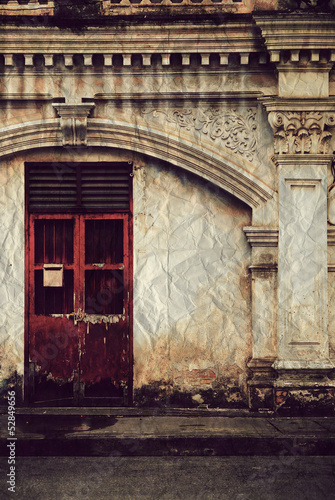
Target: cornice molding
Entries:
(76, 110)
(220, 97)
(259, 236)
(151, 7)
(288, 365)
(302, 160)
(296, 31)
(331, 237)
(240, 38)
(307, 67)
(274, 103)
(162, 38)
(263, 268)
(25, 96)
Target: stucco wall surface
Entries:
(192, 320)
(11, 269)
(331, 314)
(191, 284)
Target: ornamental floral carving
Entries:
(236, 131)
(300, 132)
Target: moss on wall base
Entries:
(13, 383)
(165, 394)
(305, 402)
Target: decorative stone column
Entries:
(303, 136)
(302, 47)
(264, 242)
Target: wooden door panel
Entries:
(104, 364)
(79, 337)
(104, 292)
(103, 241)
(54, 347)
(53, 334)
(102, 352)
(54, 300)
(104, 356)
(54, 240)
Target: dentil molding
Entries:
(296, 31)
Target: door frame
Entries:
(27, 372)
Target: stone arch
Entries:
(229, 172)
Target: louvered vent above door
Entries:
(51, 188)
(71, 187)
(105, 187)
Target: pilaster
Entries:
(302, 118)
(264, 242)
(303, 362)
(302, 261)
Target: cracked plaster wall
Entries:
(11, 270)
(192, 326)
(192, 319)
(331, 314)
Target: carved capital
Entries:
(301, 132)
(73, 122)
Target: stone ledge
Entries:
(317, 364)
(261, 236)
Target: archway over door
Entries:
(231, 174)
(228, 171)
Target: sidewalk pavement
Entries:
(131, 432)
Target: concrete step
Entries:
(119, 434)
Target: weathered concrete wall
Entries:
(11, 272)
(237, 103)
(192, 320)
(331, 314)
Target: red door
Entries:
(79, 276)
(103, 315)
